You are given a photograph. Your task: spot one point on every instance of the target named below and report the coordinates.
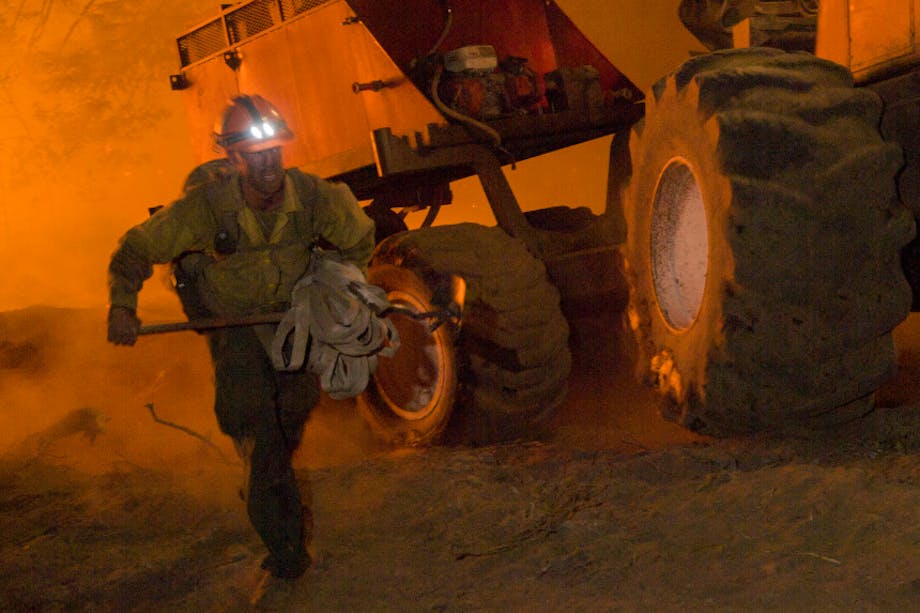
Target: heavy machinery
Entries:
(759, 204)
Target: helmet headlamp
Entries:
(266, 130)
(257, 123)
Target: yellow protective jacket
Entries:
(259, 274)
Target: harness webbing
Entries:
(336, 333)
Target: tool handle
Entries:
(211, 324)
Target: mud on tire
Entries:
(782, 316)
(511, 359)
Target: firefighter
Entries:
(240, 239)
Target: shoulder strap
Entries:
(224, 213)
(307, 186)
(308, 193)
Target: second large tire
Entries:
(511, 359)
(763, 240)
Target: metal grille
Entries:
(247, 21)
(251, 19)
(289, 8)
(199, 44)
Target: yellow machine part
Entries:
(321, 95)
(870, 37)
(645, 40)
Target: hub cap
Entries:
(411, 380)
(679, 245)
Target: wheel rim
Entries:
(412, 380)
(679, 245)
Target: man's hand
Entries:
(123, 326)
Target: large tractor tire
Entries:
(763, 243)
(507, 369)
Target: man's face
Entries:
(261, 170)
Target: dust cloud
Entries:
(64, 365)
(92, 136)
(607, 409)
(69, 399)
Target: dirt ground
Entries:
(104, 508)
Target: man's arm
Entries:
(158, 240)
(347, 227)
